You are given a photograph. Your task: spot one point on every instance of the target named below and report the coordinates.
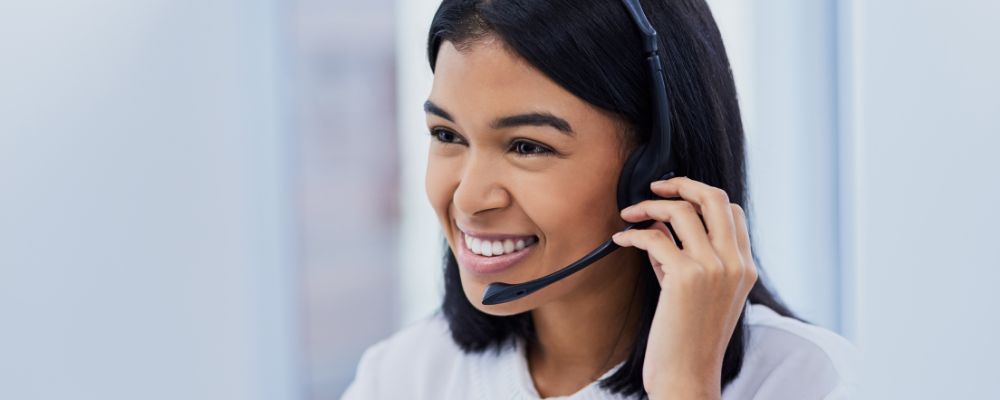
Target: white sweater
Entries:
(785, 359)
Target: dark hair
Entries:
(593, 49)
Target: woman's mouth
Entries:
(486, 254)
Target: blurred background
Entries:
(224, 199)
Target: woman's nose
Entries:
(480, 187)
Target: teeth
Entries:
(486, 249)
(491, 248)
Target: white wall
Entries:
(783, 59)
(420, 238)
(921, 106)
(144, 225)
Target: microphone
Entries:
(499, 292)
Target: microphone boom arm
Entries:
(499, 292)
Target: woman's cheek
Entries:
(438, 186)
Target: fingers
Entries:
(657, 242)
(682, 216)
(726, 243)
(657, 264)
(743, 238)
(713, 203)
(742, 233)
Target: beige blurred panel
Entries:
(344, 100)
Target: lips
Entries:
(485, 262)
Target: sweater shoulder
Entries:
(417, 361)
(788, 358)
(427, 336)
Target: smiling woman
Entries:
(486, 177)
(534, 110)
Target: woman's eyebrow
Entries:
(532, 119)
(434, 109)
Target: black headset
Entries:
(649, 162)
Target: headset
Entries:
(649, 162)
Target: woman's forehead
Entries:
(485, 80)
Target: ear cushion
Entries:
(641, 169)
(630, 191)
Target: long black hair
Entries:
(593, 49)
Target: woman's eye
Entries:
(526, 148)
(444, 136)
(520, 147)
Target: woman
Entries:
(534, 109)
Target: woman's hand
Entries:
(704, 286)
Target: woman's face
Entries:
(513, 158)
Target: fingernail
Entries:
(617, 235)
(659, 183)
